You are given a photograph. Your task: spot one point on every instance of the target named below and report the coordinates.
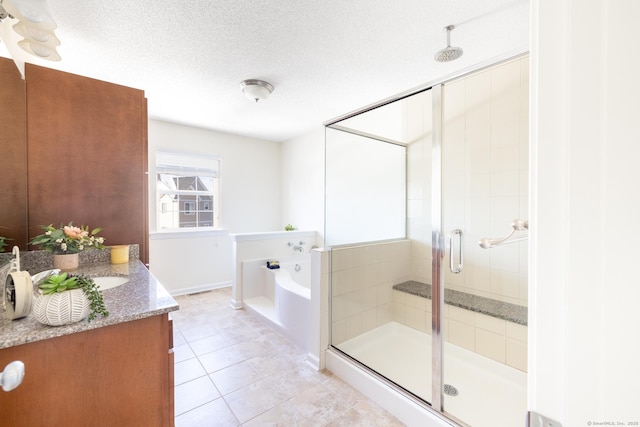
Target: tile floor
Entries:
(232, 370)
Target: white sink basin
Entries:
(108, 282)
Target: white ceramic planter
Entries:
(61, 308)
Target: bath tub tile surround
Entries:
(500, 335)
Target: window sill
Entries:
(186, 234)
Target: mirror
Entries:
(13, 152)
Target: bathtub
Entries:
(282, 297)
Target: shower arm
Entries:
(517, 225)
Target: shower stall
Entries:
(426, 201)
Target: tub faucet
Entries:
(298, 247)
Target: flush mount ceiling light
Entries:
(256, 90)
(449, 53)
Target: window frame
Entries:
(186, 164)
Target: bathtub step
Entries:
(264, 307)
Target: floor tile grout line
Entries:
(284, 349)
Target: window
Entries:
(187, 194)
(189, 208)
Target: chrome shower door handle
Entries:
(452, 239)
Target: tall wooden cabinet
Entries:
(13, 154)
(87, 155)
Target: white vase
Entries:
(65, 262)
(61, 308)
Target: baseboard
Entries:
(313, 361)
(201, 288)
(236, 305)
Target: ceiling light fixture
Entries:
(449, 53)
(32, 20)
(256, 90)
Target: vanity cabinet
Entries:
(117, 375)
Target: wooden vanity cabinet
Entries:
(119, 375)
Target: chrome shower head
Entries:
(449, 53)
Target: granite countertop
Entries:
(499, 309)
(142, 296)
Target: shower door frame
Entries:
(437, 253)
(436, 405)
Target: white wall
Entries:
(365, 187)
(303, 182)
(250, 202)
(585, 233)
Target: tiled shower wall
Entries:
(485, 187)
(497, 339)
(362, 278)
(363, 299)
(484, 173)
(485, 177)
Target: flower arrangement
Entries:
(68, 239)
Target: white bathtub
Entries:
(284, 297)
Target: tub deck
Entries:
(263, 307)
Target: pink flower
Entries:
(74, 232)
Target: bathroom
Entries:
(302, 205)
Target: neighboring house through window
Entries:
(187, 190)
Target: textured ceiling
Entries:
(324, 57)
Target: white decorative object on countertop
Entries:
(61, 308)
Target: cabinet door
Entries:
(111, 376)
(13, 152)
(87, 155)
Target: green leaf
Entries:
(57, 234)
(58, 283)
(94, 295)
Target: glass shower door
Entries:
(412, 187)
(484, 189)
(378, 205)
